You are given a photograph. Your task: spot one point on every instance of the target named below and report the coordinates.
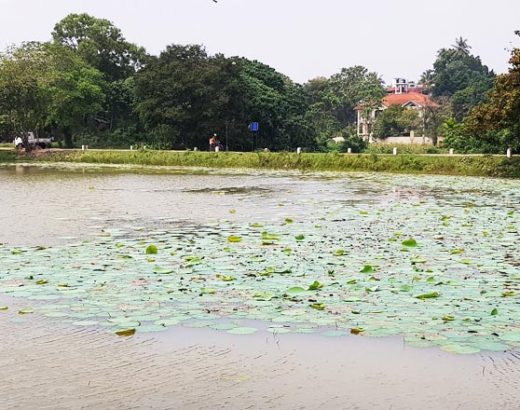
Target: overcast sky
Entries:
(301, 38)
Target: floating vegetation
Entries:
(419, 266)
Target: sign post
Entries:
(254, 127)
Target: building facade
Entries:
(405, 94)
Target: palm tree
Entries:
(427, 79)
(461, 46)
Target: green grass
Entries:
(383, 148)
(491, 166)
(7, 156)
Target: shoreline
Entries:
(497, 166)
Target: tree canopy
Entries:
(100, 44)
(396, 121)
(332, 102)
(44, 85)
(496, 123)
(460, 76)
(90, 82)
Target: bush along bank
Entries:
(487, 165)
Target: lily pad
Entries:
(151, 250)
(234, 239)
(410, 243)
(367, 269)
(431, 295)
(460, 349)
(125, 332)
(295, 290)
(315, 285)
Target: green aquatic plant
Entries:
(456, 289)
(151, 250)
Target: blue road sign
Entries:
(254, 127)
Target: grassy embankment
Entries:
(409, 149)
(7, 156)
(491, 166)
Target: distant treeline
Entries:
(89, 85)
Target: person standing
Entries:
(213, 142)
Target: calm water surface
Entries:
(53, 205)
(50, 205)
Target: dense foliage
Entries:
(461, 76)
(396, 121)
(91, 86)
(47, 86)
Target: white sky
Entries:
(301, 38)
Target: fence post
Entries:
(349, 151)
(299, 150)
(508, 153)
(395, 151)
(451, 151)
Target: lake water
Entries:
(412, 264)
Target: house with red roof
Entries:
(405, 94)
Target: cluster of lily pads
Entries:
(440, 270)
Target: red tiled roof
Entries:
(405, 98)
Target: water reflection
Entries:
(48, 205)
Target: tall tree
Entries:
(461, 46)
(332, 101)
(351, 86)
(496, 123)
(77, 92)
(22, 98)
(100, 44)
(186, 94)
(433, 117)
(460, 76)
(275, 102)
(44, 85)
(181, 93)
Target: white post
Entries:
(349, 151)
(451, 151)
(131, 147)
(83, 148)
(298, 150)
(395, 151)
(508, 152)
(217, 148)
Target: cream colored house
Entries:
(402, 93)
